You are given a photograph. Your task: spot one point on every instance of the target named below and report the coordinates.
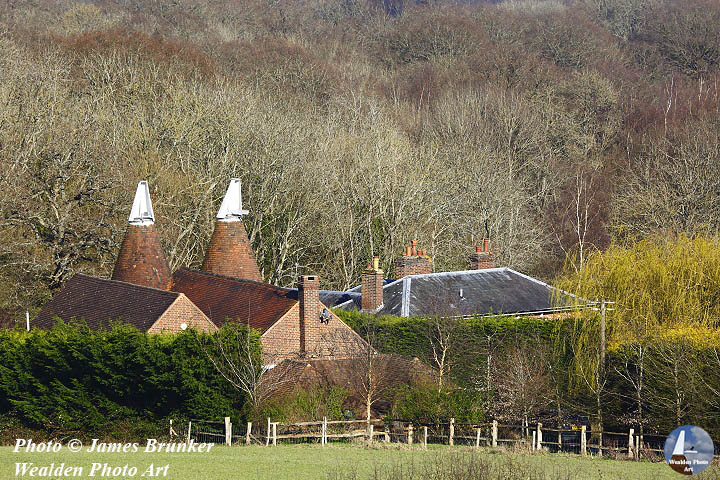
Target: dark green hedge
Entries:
(71, 379)
(409, 335)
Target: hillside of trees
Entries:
(555, 126)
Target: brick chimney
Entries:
(482, 258)
(412, 262)
(372, 287)
(141, 259)
(229, 252)
(309, 298)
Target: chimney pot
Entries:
(372, 288)
(412, 262)
(482, 258)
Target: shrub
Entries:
(427, 405)
(305, 405)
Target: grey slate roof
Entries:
(490, 291)
(334, 297)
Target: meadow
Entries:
(348, 462)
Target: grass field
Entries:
(332, 462)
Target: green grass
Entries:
(332, 462)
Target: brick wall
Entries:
(332, 339)
(141, 259)
(182, 311)
(282, 340)
(412, 265)
(230, 253)
(372, 290)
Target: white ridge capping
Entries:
(142, 211)
(231, 208)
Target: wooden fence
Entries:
(579, 440)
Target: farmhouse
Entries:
(418, 291)
(229, 287)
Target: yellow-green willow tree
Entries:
(656, 285)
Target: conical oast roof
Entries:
(229, 252)
(141, 259)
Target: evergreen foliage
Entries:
(71, 379)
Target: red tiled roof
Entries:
(230, 253)
(98, 301)
(224, 298)
(141, 259)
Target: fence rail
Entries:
(579, 440)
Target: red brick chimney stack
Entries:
(230, 252)
(372, 287)
(309, 298)
(412, 262)
(141, 259)
(482, 258)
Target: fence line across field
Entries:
(534, 437)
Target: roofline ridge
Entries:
(144, 287)
(235, 279)
(455, 272)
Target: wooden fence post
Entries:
(477, 438)
(534, 440)
(559, 439)
(452, 431)
(324, 431)
(410, 434)
(188, 435)
(248, 433)
(425, 436)
(228, 432)
(539, 436)
(267, 437)
(637, 447)
(583, 440)
(494, 433)
(631, 447)
(274, 425)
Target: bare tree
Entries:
(522, 381)
(236, 354)
(443, 334)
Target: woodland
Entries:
(554, 127)
(581, 136)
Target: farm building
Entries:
(143, 292)
(293, 321)
(418, 291)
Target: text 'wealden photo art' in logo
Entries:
(689, 450)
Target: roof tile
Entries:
(98, 301)
(222, 298)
